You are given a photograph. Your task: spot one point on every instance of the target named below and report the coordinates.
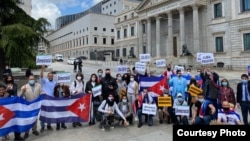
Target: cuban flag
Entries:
(17, 114)
(66, 110)
(155, 85)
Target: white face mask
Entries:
(124, 100)
(78, 77)
(132, 79)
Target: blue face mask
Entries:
(224, 84)
(31, 82)
(244, 81)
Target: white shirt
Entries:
(79, 87)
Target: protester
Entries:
(48, 86)
(77, 87)
(30, 92)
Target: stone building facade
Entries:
(221, 27)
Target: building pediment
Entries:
(149, 3)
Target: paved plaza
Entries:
(158, 132)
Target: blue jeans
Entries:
(245, 109)
(203, 121)
(148, 118)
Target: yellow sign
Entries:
(164, 101)
(194, 91)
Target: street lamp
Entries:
(95, 57)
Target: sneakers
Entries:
(49, 127)
(79, 124)
(35, 133)
(136, 119)
(74, 124)
(139, 125)
(26, 135)
(19, 139)
(103, 129)
(161, 121)
(64, 126)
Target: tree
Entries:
(19, 33)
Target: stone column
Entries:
(182, 30)
(140, 38)
(196, 38)
(170, 34)
(158, 37)
(128, 31)
(149, 35)
(121, 33)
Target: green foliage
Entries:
(19, 34)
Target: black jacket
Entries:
(89, 87)
(239, 91)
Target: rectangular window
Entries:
(112, 41)
(104, 29)
(217, 10)
(144, 49)
(132, 31)
(104, 40)
(87, 40)
(95, 28)
(95, 40)
(112, 30)
(124, 52)
(219, 44)
(125, 33)
(246, 40)
(245, 5)
(143, 28)
(125, 18)
(117, 52)
(118, 34)
(118, 20)
(132, 15)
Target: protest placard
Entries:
(207, 58)
(44, 60)
(63, 77)
(164, 101)
(160, 63)
(122, 69)
(198, 56)
(179, 68)
(141, 67)
(194, 91)
(182, 110)
(97, 90)
(149, 109)
(145, 58)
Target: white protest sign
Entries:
(182, 110)
(44, 60)
(122, 69)
(160, 63)
(149, 109)
(145, 57)
(141, 67)
(207, 58)
(179, 68)
(198, 56)
(97, 90)
(63, 77)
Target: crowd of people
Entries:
(122, 99)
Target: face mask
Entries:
(131, 79)
(110, 99)
(179, 75)
(169, 69)
(78, 77)
(99, 74)
(201, 100)
(107, 74)
(93, 79)
(9, 81)
(226, 109)
(31, 82)
(6, 68)
(188, 72)
(244, 81)
(124, 100)
(119, 78)
(180, 99)
(224, 84)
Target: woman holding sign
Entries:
(96, 97)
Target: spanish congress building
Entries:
(171, 29)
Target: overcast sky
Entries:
(51, 9)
